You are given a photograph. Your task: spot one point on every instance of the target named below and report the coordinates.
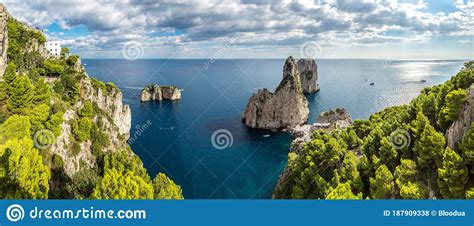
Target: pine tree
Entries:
(21, 96)
(382, 186)
(452, 175)
(25, 176)
(470, 193)
(86, 110)
(15, 127)
(38, 116)
(418, 125)
(42, 93)
(82, 128)
(450, 111)
(10, 73)
(350, 173)
(429, 147)
(119, 185)
(407, 180)
(165, 188)
(124, 178)
(3, 101)
(343, 191)
(54, 123)
(388, 154)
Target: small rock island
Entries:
(287, 107)
(156, 92)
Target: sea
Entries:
(201, 142)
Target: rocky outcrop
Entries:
(335, 118)
(308, 75)
(285, 108)
(466, 117)
(116, 123)
(155, 92)
(61, 147)
(111, 103)
(329, 120)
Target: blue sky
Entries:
(403, 29)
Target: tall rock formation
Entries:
(460, 127)
(285, 108)
(309, 75)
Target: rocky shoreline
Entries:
(333, 119)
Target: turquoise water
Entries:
(175, 137)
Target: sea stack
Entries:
(156, 92)
(287, 107)
(308, 75)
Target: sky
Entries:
(379, 29)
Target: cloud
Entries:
(259, 23)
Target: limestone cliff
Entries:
(4, 15)
(285, 108)
(308, 75)
(115, 118)
(156, 92)
(466, 117)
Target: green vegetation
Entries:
(40, 99)
(53, 67)
(165, 188)
(107, 88)
(20, 45)
(22, 172)
(399, 152)
(125, 178)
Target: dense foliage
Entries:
(399, 152)
(35, 94)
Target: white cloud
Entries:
(261, 23)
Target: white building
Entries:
(54, 47)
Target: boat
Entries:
(422, 80)
(372, 83)
(266, 135)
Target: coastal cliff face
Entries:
(110, 101)
(460, 127)
(115, 119)
(308, 75)
(4, 15)
(285, 108)
(155, 92)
